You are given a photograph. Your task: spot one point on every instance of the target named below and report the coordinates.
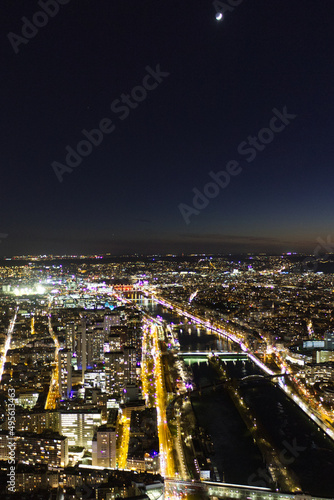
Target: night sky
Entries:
(220, 83)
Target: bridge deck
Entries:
(220, 354)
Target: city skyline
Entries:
(167, 250)
(195, 377)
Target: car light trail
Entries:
(155, 393)
(7, 343)
(53, 394)
(124, 442)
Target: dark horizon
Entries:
(46, 259)
(227, 246)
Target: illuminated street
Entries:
(122, 450)
(7, 343)
(53, 394)
(154, 384)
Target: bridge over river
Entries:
(208, 489)
(202, 355)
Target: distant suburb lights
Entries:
(121, 107)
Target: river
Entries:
(308, 452)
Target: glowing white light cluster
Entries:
(35, 290)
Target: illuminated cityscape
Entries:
(167, 250)
(121, 369)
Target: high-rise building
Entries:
(64, 373)
(70, 336)
(122, 331)
(130, 365)
(95, 379)
(114, 363)
(35, 421)
(329, 341)
(110, 320)
(120, 368)
(94, 343)
(46, 448)
(89, 345)
(114, 342)
(79, 426)
(81, 347)
(324, 356)
(104, 443)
